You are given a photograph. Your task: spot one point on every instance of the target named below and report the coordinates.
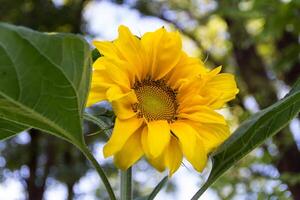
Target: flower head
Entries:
(164, 100)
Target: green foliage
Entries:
(44, 85)
(95, 54)
(252, 133)
(104, 127)
(8, 128)
(44, 82)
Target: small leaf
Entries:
(44, 81)
(95, 55)
(105, 128)
(252, 133)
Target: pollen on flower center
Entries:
(156, 100)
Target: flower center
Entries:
(156, 100)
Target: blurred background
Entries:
(257, 40)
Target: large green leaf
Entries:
(9, 129)
(44, 80)
(252, 133)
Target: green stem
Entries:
(126, 184)
(100, 171)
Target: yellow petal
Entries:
(99, 85)
(203, 114)
(164, 51)
(96, 95)
(192, 101)
(173, 156)
(117, 57)
(127, 67)
(144, 140)
(122, 106)
(108, 49)
(158, 137)
(191, 144)
(99, 66)
(215, 71)
(222, 86)
(217, 88)
(114, 93)
(131, 152)
(115, 73)
(193, 108)
(188, 89)
(186, 68)
(212, 134)
(132, 50)
(122, 131)
(158, 162)
(100, 78)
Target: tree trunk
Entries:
(35, 192)
(293, 73)
(70, 191)
(36, 184)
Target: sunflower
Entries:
(164, 100)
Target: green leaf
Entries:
(95, 55)
(104, 127)
(9, 129)
(44, 81)
(252, 133)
